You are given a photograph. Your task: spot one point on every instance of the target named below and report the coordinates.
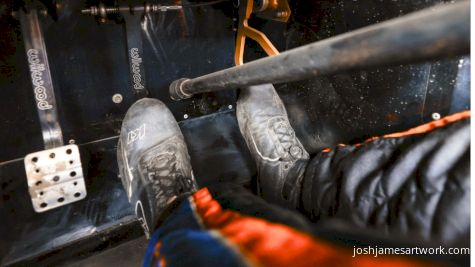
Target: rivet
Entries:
(435, 116)
(117, 98)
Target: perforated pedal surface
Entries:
(55, 177)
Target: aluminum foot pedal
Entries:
(55, 177)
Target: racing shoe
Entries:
(280, 157)
(153, 161)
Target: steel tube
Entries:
(434, 33)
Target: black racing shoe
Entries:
(153, 160)
(281, 159)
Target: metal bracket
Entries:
(54, 175)
(273, 10)
(245, 30)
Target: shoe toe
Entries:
(148, 122)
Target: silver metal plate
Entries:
(55, 177)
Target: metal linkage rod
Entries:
(434, 33)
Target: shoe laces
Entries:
(284, 134)
(286, 137)
(165, 164)
(168, 174)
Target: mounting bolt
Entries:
(72, 141)
(230, 107)
(435, 116)
(281, 14)
(185, 116)
(117, 98)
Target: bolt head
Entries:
(117, 98)
(436, 116)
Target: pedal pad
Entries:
(55, 177)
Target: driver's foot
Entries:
(281, 159)
(153, 160)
